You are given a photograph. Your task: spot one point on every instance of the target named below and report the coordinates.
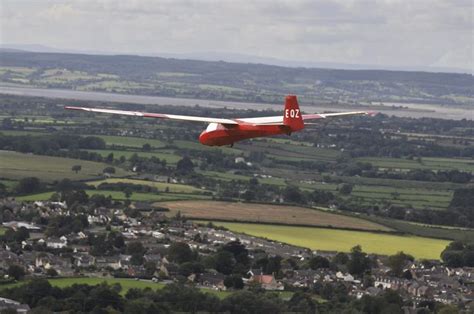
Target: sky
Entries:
(390, 33)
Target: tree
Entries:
(146, 147)
(185, 165)
(234, 281)
(341, 258)
(397, 263)
(358, 263)
(239, 251)
(128, 192)
(293, 194)
(346, 189)
(180, 252)
(51, 272)
(71, 197)
(225, 262)
(317, 262)
(458, 254)
(150, 267)
(76, 168)
(16, 271)
(109, 159)
(109, 170)
(28, 185)
(137, 250)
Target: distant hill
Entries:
(231, 81)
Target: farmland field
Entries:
(173, 188)
(135, 142)
(425, 163)
(15, 166)
(268, 213)
(343, 240)
(2, 230)
(169, 157)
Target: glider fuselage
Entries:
(219, 135)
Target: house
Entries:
(158, 235)
(268, 282)
(56, 243)
(15, 225)
(344, 277)
(7, 258)
(84, 260)
(108, 261)
(213, 280)
(7, 304)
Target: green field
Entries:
(15, 166)
(2, 230)
(424, 230)
(21, 133)
(228, 176)
(135, 142)
(173, 188)
(169, 157)
(424, 163)
(117, 195)
(342, 240)
(195, 145)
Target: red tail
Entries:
(292, 116)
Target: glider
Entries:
(221, 132)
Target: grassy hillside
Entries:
(230, 81)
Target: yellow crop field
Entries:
(343, 240)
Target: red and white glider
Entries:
(221, 132)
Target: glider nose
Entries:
(204, 138)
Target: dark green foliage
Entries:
(234, 281)
(462, 205)
(137, 250)
(185, 165)
(225, 262)
(293, 194)
(317, 262)
(180, 252)
(16, 271)
(28, 186)
(15, 236)
(302, 303)
(249, 302)
(459, 254)
(358, 263)
(106, 244)
(346, 189)
(62, 225)
(397, 262)
(74, 197)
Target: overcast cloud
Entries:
(384, 33)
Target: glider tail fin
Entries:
(292, 116)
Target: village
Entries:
(40, 254)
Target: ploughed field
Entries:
(264, 213)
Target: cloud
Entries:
(390, 32)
